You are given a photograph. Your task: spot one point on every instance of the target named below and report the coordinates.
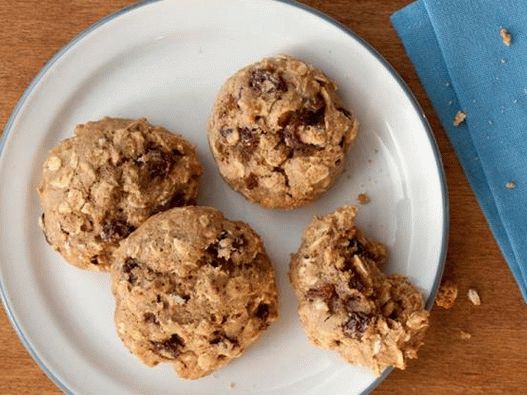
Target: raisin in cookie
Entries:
(347, 304)
(192, 289)
(279, 132)
(100, 185)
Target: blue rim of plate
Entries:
(433, 143)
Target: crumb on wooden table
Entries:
(506, 37)
(465, 335)
(510, 185)
(446, 295)
(473, 296)
(363, 198)
(459, 118)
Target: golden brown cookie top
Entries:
(100, 185)
(192, 289)
(279, 132)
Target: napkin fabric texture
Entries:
(456, 48)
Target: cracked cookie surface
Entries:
(347, 304)
(279, 132)
(192, 289)
(100, 185)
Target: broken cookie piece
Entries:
(100, 185)
(347, 304)
(192, 289)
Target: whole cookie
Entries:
(192, 289)
(347, 304)
(100, 185)
(280, 133)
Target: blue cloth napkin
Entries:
(464, 65)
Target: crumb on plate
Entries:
(506, 37)
(363, 198)
(446, 295)
(459, 118)
(473, 296)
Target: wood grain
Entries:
(492, 361)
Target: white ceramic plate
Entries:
(166, 60)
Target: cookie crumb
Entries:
(459, 118)
(446, 295)
(465, 335)
(505, 37)
(232, 385)
(362, 198)
(473, 296)
(510, 185)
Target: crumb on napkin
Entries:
(510, 185)
(465, 335)
(459, 118)
(505, 37)
(362, 198)
(232, 385)
(446, 295)
(473, 296)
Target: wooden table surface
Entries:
(493, 361)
